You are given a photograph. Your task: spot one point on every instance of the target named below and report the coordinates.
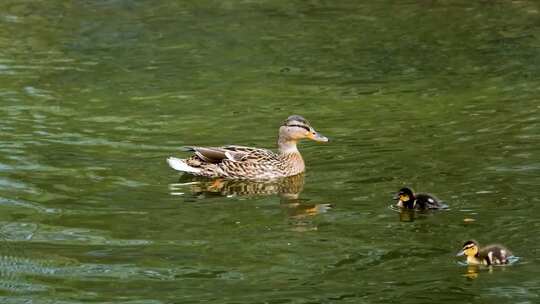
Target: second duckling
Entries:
(489, 255)
(408, 199)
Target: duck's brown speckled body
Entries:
(239, 162)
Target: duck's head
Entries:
(470, 248)
(296, 127)
(404, 196)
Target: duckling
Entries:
(489, 255)
(408, 199)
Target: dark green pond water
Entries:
(438, 95)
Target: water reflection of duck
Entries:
(289, 187)
(407, 199)
(238, 162)
(407, 215)
(489, 255)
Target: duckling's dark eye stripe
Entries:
(299, 126)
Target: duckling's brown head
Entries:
(470, 248)
(296, 127)
(404, 196)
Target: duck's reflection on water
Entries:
(407, 215)
(472, 272)
(410, 215)
(288, 189)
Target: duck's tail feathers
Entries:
(180, 165)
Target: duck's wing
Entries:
(216, 155)
(208, 154)
(234, 162)
(495, 254)
(242, 153)
(429, 201)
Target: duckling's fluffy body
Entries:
(408, 199)
(488, 255)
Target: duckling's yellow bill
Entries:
(316, 136)
(462, 252)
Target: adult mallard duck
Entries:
(408, 199)
(489, 255)
(239, 162)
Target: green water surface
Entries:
(438, 95)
